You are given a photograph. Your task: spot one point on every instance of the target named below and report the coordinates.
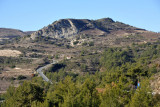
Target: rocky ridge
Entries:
(69, 28)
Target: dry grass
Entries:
(155, 83)
(16, 72)
(5, 76)
(10, 53)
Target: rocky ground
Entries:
(155, 83)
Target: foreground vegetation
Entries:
(112, 84)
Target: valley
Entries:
(95, 56)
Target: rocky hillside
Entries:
(69, 28)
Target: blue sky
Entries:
(29, 15)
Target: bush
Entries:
(91, 43)
(20, 77)
(84, 43)
(12, 66)
(12, 78)
(75, 42)
(83, 68)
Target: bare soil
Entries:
(10, 53)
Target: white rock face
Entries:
(65, 28)
(60, 29)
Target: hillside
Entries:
(69, 28)
(7, 33)
(103, 32)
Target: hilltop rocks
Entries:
(65, 28)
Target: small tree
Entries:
(91, 43)
(75, 42)
(20, 77)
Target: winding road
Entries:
(39, 70)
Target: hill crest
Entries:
(69, 28)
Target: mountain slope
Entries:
(7, 33)
(69, 28)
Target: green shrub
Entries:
(75, 42)
(84, 43)
(20, 77)
(91, 43)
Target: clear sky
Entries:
(30, 15)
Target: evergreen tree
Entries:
(89, 96)
(24, 95)
(143, 96)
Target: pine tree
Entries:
(143, 96)
(24, 95)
